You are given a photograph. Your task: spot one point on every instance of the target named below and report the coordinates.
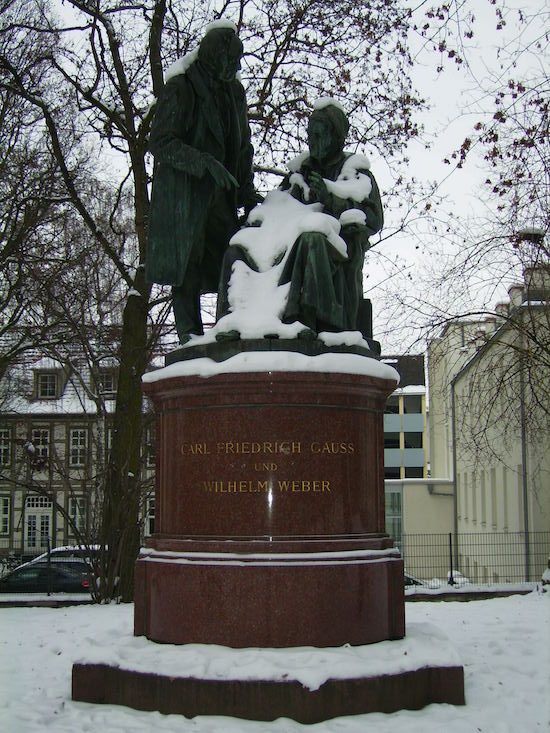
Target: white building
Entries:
(55, 433)
(490, 432)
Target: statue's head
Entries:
(220, 51)
(327, 130)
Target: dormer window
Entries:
(46, 385)
(50, 377)
(107, 382)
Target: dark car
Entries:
(89, 553)
(69, 576)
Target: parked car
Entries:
(89, 553)
(57, 576)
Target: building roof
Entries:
(410, 368)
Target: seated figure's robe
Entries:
(325, 286)
(319, 268)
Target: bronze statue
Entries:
(325, 287)
(200, 138)
(325, 282)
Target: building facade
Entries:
(490, 431)
(405, 422)
(55, 436)
(411, 503)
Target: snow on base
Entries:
(425, 645)
(277, 361)
(504, 645)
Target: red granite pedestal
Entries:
(270, 532)
(270, 520)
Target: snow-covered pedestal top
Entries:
(277, 361)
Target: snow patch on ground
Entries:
(425, 645)
(504, 645)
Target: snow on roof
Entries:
(412, 389)
(18, 396)
(46, 362)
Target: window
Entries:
(505, 498)
(392, 405)
(40, 438)
(483, 498)
(5, 513)
(392, 472)
(38, 521)
(107, 382)
(77, 512)
(108, 441)
(474, 499)
(494, 507)
(413, 440)
(78, 445)
(150, 445)
(44, 530)
(391, 440)
(46, 384)
(394, 515)
(465, 496)
(5, 446)
(414, 472)
(31, 531)
(412, 404)
(38, 502)
(150, 517)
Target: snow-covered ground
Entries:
(504, 645)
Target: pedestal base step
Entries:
(267, 699)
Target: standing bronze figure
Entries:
(200, 138)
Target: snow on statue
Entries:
(295, 270)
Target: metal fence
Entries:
(477, 558)
(436, 559)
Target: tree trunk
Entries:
(121, 501)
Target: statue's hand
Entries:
(220, 174)
(318, 187)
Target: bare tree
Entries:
(103, 69)
(30, 193)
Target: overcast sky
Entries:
(456, 104)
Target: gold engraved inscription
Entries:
(235, 487)
(194, 449)
(263, 454)
(248, 447)
(315, 486)
(267, 448)
(332, 449)
(265, 467)
(304, 487)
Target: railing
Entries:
(12, 555)
(478, 558)
(437, 560)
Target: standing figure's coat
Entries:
(200, 138)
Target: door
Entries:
(38, 523)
